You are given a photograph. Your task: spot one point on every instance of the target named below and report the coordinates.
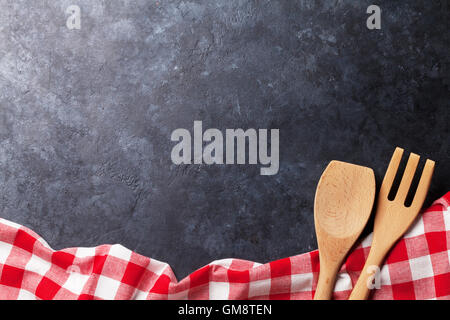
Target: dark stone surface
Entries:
(86, 116)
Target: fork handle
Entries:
(361, 290)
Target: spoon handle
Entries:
(325, 285)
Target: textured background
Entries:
(86, 116)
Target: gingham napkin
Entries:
(417, 268)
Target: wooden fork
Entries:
(392, 217)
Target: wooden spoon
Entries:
(342, 206)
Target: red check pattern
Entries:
(417, 268)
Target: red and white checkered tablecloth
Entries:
(417, 268)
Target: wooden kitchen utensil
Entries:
(392, 217)
(342, 206)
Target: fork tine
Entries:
(390, 173)
(407, 178)
(424, 184)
